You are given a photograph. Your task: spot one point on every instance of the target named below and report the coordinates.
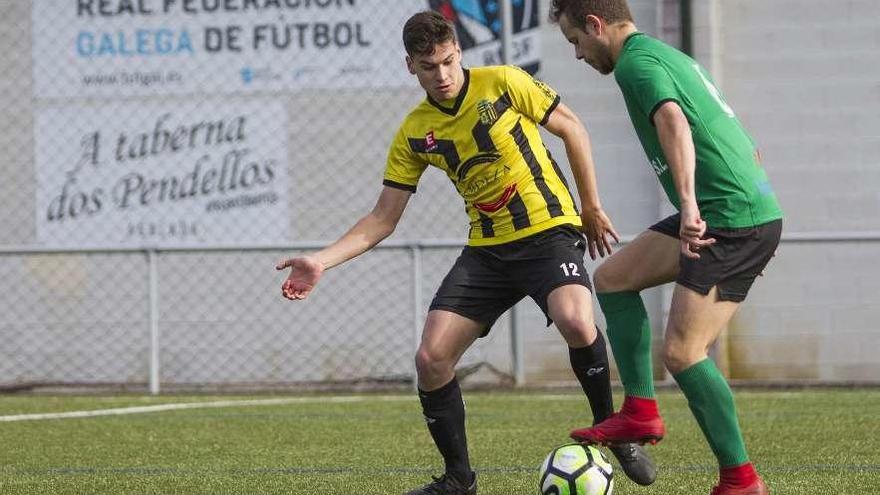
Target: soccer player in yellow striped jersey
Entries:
(526, 237)
(486, 140)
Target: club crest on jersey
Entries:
(488, 115)
(430, 142)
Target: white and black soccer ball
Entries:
(575, 469)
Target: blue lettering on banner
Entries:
(140, 42)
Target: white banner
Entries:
(155, 175)
(87, 48)
(131, 47)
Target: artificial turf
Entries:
(810, 441)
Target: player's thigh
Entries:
(477, 288)
(550, 269)
(445, 338)
(651, 259)
(695, 321)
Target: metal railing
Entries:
(416, 250)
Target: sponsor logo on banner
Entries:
(155, 47)
(478, 26)
(160, 174)
(146, 47)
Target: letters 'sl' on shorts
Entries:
(732, 263)
(486, 281)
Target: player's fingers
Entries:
(614, 234)
(284, 264)
(690, 232)
(591, 244)
(607, 244)
(600, 245)
(686, 250)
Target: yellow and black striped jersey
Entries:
(487, 142)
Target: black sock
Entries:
(590, 365)
(444, 413)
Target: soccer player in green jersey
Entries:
(727, 229)
(526, 237)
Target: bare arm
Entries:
(674, 133)
(564, 124)
(371, 229)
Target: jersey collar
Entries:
(458, 99)
(630, 37)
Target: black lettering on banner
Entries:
(237, 169)
(107, 8)
(304, 35)
(223, 38)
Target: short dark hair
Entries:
(425, 30)
(612, 11)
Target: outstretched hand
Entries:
(599, 231)
(304, 275)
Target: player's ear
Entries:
(410, 65)
(593, 25)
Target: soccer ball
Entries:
(575, 469)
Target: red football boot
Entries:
(756, 488)
(740, 480)
(637, 422)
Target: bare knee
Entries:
(576, 330)
(677, 357)
(433, 370)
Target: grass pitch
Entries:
(802, 441)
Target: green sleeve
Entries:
(646, 82)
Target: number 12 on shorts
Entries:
(570, 269)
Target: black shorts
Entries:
(486, 281)
(732, 263)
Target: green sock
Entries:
(711, 400)
(629, 332)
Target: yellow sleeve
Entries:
(530, 96)
(404, 168)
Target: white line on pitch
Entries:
(235, 403)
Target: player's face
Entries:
(440, 73)
(589, 45)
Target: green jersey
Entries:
(731, 187)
